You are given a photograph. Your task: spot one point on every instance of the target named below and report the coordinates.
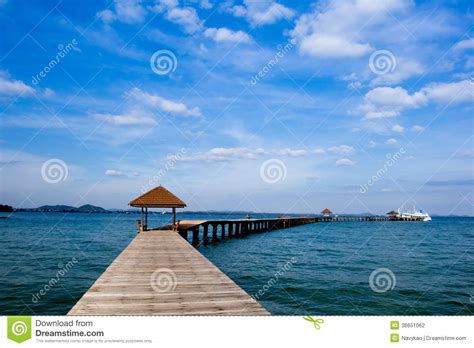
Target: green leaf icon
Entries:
(19, 328)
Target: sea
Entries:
(49, 260)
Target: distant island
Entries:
(60, 208)
(4, 208)
(89, 208)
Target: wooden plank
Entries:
(129, 285)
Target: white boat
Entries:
(415, 215)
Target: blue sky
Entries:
(359, 106)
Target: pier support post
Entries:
(184, 234)
(205, 237)
(231, 230)
(214, 232)
(223, 231)
(146, 217)
(195, 235)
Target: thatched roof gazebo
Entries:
(326, 212)
(392, 215)
(159, 197)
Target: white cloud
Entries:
(344, 162)
(319, 151)
(404, 70)
(205, 4)
(163, 104)
(133, 118)
(397, 128)
(13, 87)
(262, 12)
(331, 46)
(391, 141)
(417, 128)
(186, 17)
(467, 44)
(292, 153)
(238, 10)
(461, 91)
(383, 102)
(469, 153)
(245, 153)
(227, 35)
(113, 172)
(371, 144)
(336, 30)
(342, 150)
(106, 15)
(351, 77)
(355, 85)
(127, 11)
(225, 154)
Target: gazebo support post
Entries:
(141, 219)
(146, 217)
(174, 217)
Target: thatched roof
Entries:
(393, 212)
(159, 197)
(326, 211)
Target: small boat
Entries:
(415, 215)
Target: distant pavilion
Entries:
(326, 212)
(159, 197)
(392, 214)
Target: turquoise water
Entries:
(313, 269)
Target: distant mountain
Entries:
(90, 207)
(59, 207)
(87, 208)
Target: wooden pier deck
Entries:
(200, 230)
(160, 273)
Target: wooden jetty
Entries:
(205, 231)
(159, 273)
